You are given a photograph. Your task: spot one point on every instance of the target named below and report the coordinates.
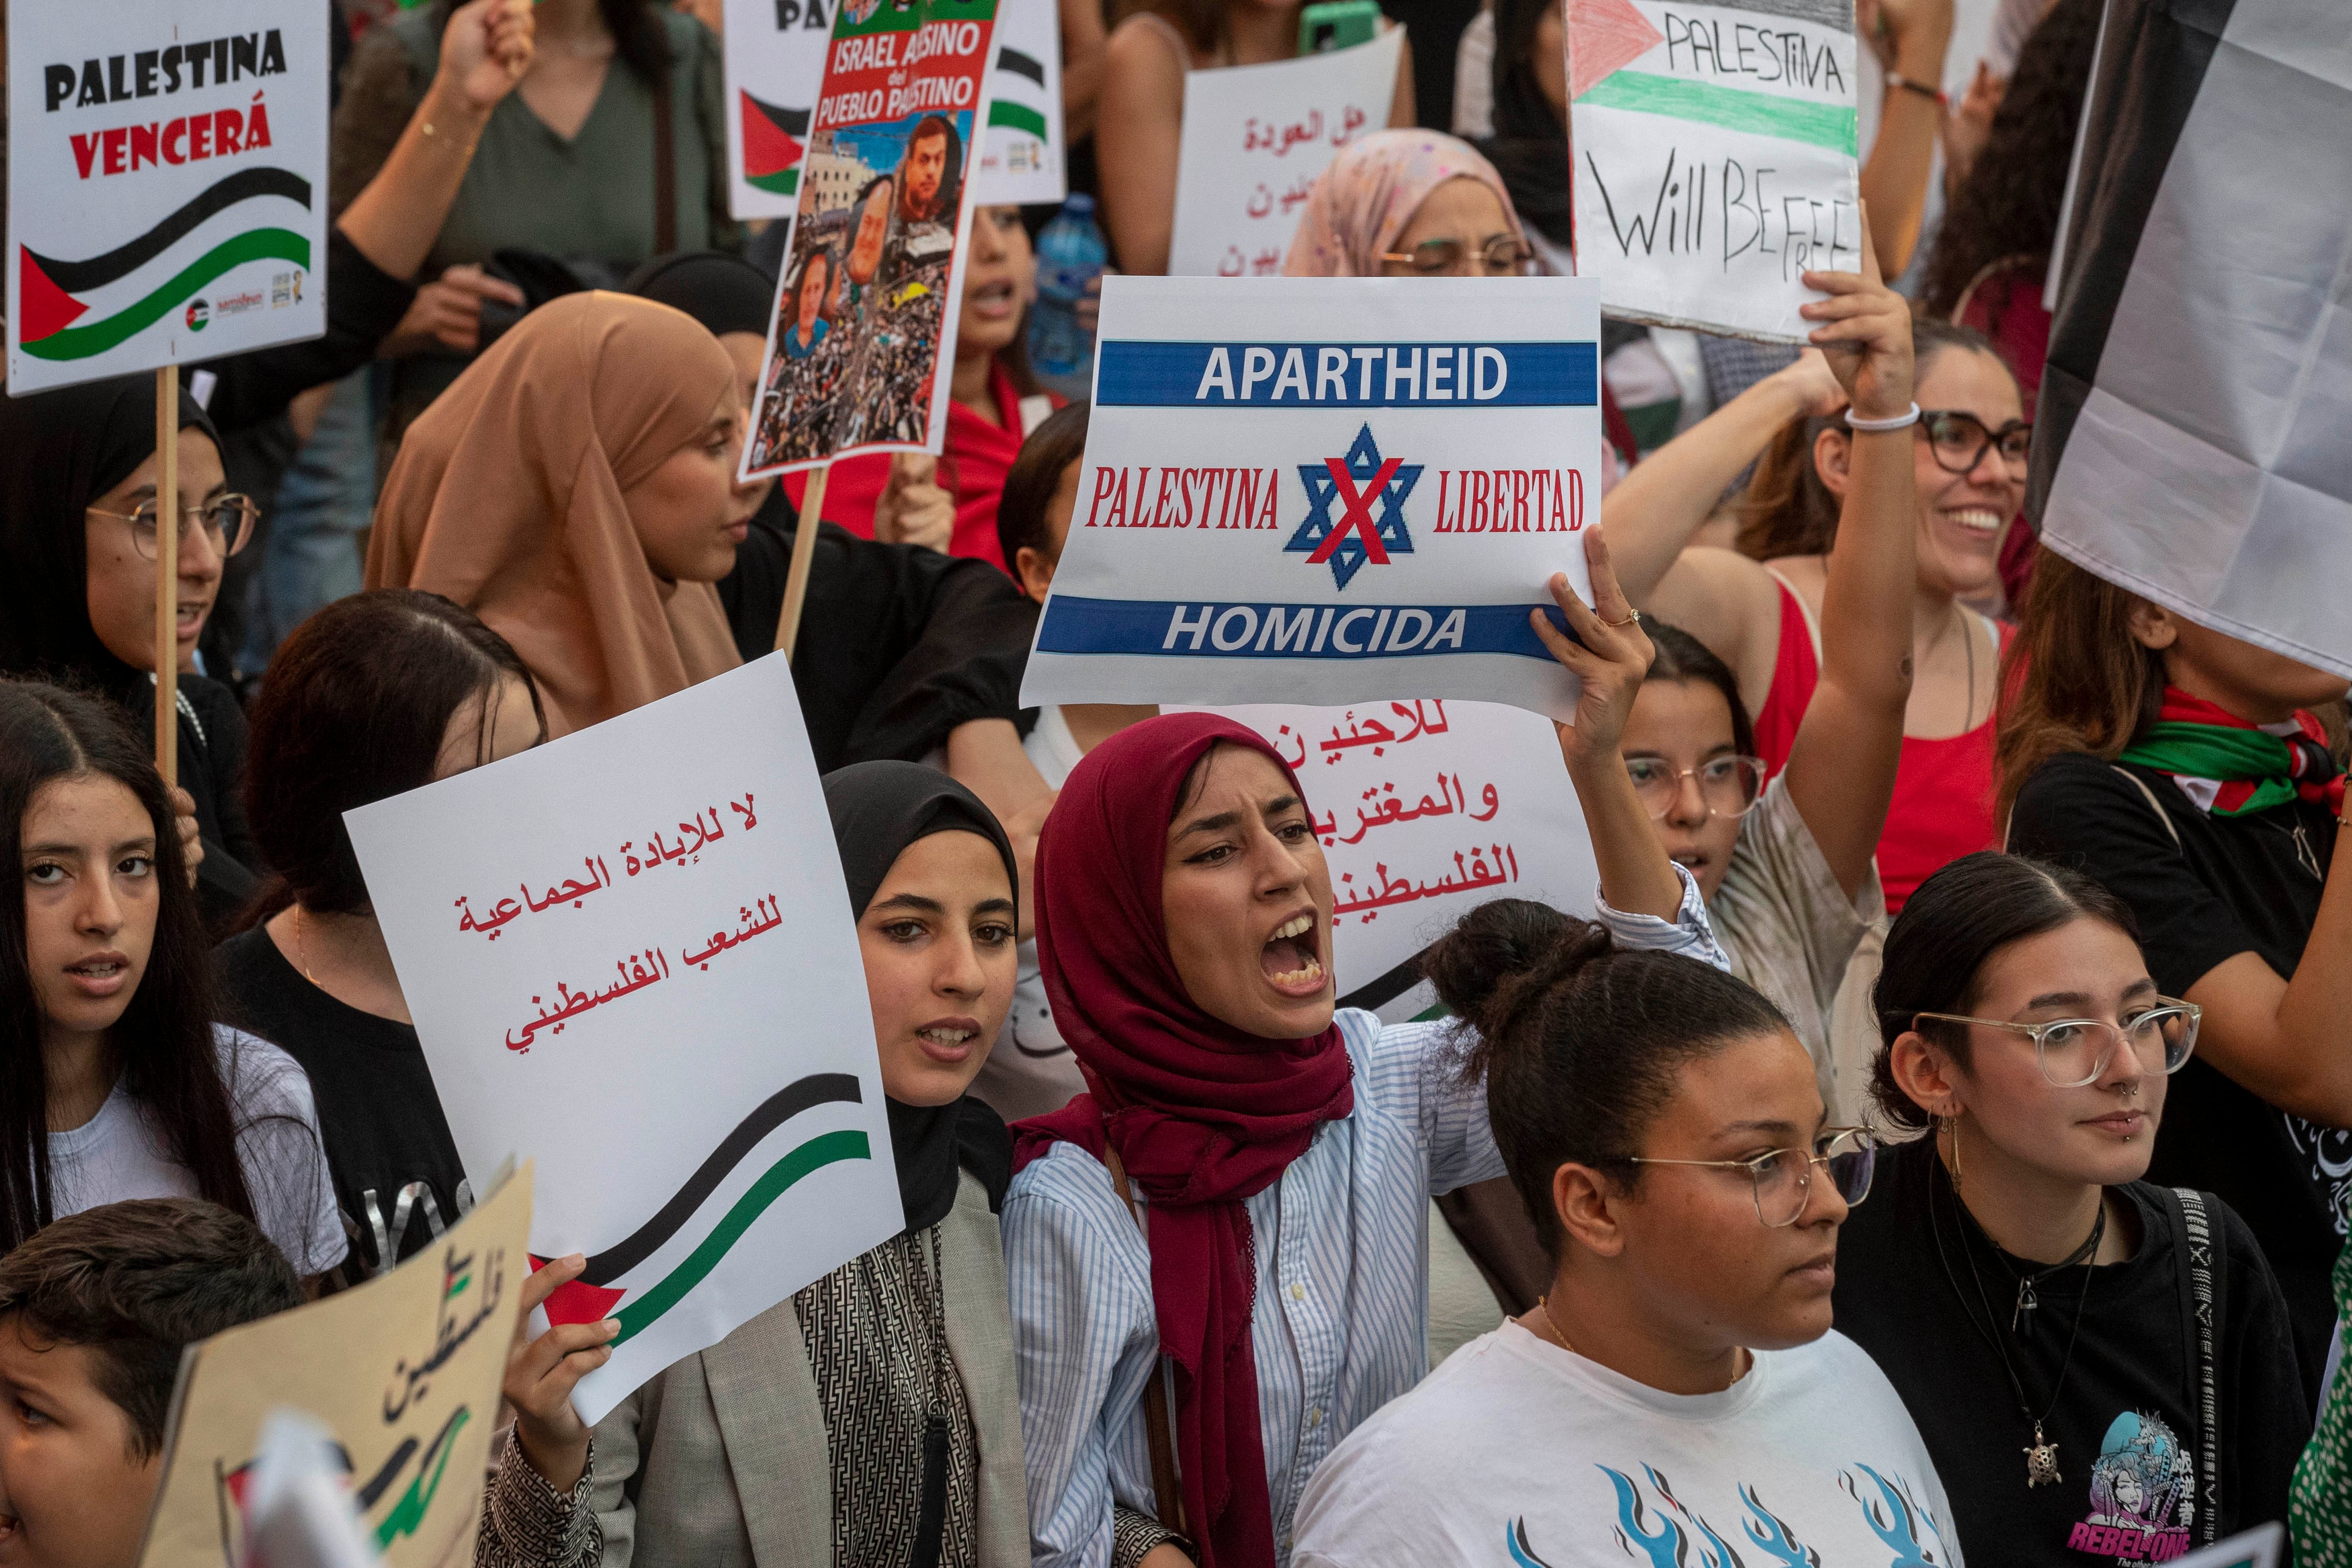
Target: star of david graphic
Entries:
(1356, 482)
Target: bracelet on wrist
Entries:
(1904, 421)
(1894, 80)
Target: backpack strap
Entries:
(1157, 1429)
(664, 164)
(2148, 795)
(2196, 1268)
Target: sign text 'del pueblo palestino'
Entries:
(403, 1371)
(632, 958)
(1714, 158)
(1328, 491)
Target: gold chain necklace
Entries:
(300, 962)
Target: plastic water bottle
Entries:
(1071, 255)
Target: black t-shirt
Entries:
(2125, 1420)
(2224, 886)
(397, 1177)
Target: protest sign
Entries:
(715, 1144)
(1427, 808)
(1021, 152)
(1255, 138)
(167, 184)
(404, 1371)
(1327, 490)
(865, 313)
(2262, 1547)
(1714, 158)
(775, 58)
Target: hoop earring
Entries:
(1952, 1129)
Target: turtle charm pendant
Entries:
(2040, 1461)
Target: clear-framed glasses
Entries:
(1729, 785)
(227, 521)
(1501, 257)
(2074, 1052)
(1783, 1177)
(1960, 439)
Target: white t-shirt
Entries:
(120, 1154)
(1519, 1455)
(1030, 1072)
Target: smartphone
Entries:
(1330, 25)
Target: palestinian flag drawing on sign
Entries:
(2189, 439)
(773, 140)
(592, 1297)
(74, 309)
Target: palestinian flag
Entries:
(773, 141)
(72, 309)
(1019, 89)
(2190, 430)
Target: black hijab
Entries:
(878, 810)
(1530, 145)
(725, 293)
(59, 452)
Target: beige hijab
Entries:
(507, 498)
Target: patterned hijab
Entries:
(1367, 195)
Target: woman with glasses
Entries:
(1409, 203)
(1244, 1191)
(77, 551)
(1786, 866)
(1677, 1395)
(2099, 1365)
(2189, 771)
(1764, 609)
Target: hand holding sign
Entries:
(542, 1372)
(1866, 335)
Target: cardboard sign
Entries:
(1714, 158)
(404, 1371)
(167, 184)
(1021, 154)
(1327, 490)
(709, 1123)
(866, 309)
(1255, 138)
(1426, 809)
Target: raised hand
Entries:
(487, 49)
(1865, 334)
(542, 1373)
(1610, 655)
(914, 508)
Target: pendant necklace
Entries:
(2041, 1456)
(2022, 1312)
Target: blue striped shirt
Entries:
(1343, 1254)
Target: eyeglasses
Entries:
(2074, 1052)
(1501, 257)
(1729, 785)
(1784, 1178)
(226, 520)
(1960, 439)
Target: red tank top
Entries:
(1943, 803)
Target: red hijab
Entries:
(1203, 1114)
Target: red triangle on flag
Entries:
(1604, 36)
(768, 148)
(46, 308)
(577, 1300)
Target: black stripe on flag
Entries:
(1021, 64)
(2153, 55)
(791, 121)
(75, 277)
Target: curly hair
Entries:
(2008, 205)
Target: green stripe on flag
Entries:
(1826, 125)
(1020, 115)
(818, 1152)
(96, 336)
(783, 182)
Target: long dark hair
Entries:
(165, 1039)
(1580, 1041)
(1037, 474)
(637, 28)
(2008, 206)
(353, 710)
(1683, 657)
(1949, 930)
(1529, 146)
(1786, 508)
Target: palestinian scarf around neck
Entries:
(1203, 1116)
(878, 809)
(2232, 768)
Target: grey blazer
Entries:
(721, 1461)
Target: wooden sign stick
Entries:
(788, 624)
(167, 573)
